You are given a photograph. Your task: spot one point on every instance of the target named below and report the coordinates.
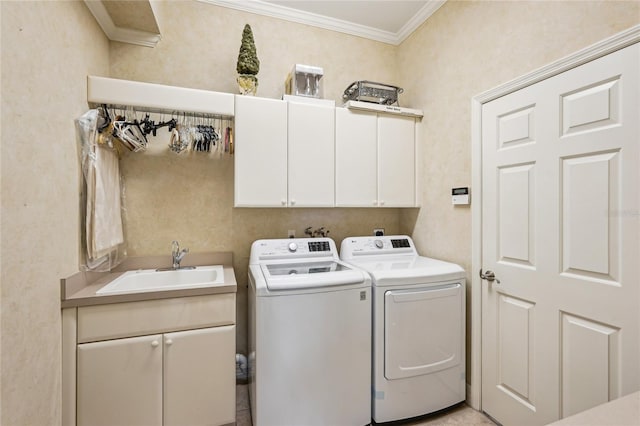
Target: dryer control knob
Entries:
(379, 244)
(293, 247)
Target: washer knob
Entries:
(293, 247)
(379, 244)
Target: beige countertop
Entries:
(621, 411)
(80, 289)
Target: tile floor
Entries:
(461, 414)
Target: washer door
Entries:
(423, 330)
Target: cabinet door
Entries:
(311, 155)
(199, 377)
(260, 152)
(356, 151)
(120, 382)
(396, 161)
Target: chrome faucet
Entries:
(177, 254)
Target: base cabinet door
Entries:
(120, 382)
(199, 377)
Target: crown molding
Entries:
(115, 33)
(418, 19)
(307, 18)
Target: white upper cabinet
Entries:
(311, 155)
(356, 152)
(375, 159)
(305, 154)
(396, 161)
(284, 154)
(260, 152)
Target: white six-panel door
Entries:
(560, 185)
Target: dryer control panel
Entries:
(377, 245)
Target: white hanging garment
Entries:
(106, 218)
(103, 221)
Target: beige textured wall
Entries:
(191, 199)
(466, 48)
(47, 48)
(200, 44)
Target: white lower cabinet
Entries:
(120, 382)
(180, 378)
(198, 371)
(161, 362)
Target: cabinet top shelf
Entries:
(157, 97)
(389, 109)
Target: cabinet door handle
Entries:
(375, 202)
(169, 342)
(283, 202)
(155, 344)
(293, 202)
(382, 202)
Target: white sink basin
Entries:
(152, 280)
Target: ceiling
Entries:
(388, 21)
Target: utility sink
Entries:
(145, 280)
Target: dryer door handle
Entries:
(424, 293)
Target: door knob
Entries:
(489, 276)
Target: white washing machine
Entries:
(418, 327)
(309, 335)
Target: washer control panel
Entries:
(319, 246)
(400, 243)
(291, 248)
(374, 245)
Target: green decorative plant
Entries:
(248, 63)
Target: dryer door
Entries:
(423, 330)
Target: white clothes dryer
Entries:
(309, 335)
(418, 364)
